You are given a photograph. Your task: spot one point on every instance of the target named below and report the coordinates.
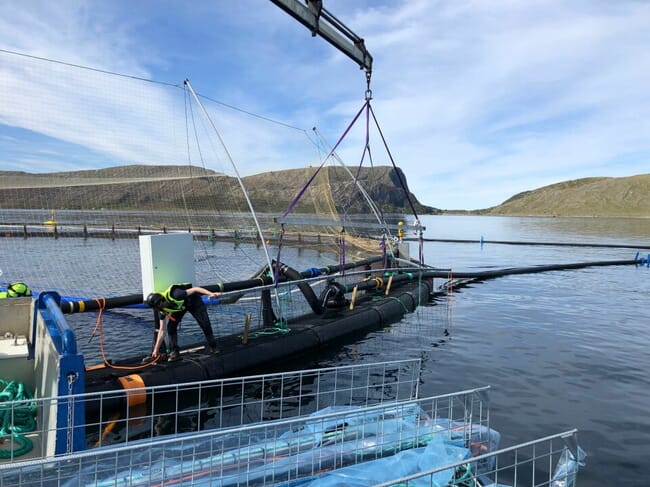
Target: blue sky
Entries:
(477, 100)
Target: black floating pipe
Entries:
(268, 316)
(304, 287)
(305, 334)
(262, 280)
(123, 301)
(483, 275)
(81, 306)
(549, 244)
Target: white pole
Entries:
(241, 183)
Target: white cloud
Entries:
(477, 100)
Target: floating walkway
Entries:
(271, 345)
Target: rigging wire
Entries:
(399, 175)
(153, 81)
(239, 180)
(302, 191)
(89, 68)
(371, 204)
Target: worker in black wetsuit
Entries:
(173, 303)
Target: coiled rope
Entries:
(17, 416)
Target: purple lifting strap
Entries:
(302, 191)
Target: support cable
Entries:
(371, 204)
(239, 180)
(293, 203)
(399, 175)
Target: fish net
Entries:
(98, 159)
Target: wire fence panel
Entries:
(288, 450)
(551, 461)
(220, 403)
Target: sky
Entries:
(476, 100)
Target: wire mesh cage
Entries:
(287, 450)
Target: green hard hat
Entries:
(18, 289)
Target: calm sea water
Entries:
(561, 350)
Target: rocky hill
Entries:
(150, 187)
(603, 197)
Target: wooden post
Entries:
(246, 327)
(354, 297)
(390, 281)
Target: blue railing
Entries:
(71, 414)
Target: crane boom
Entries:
(320, 21)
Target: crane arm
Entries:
(320, 21)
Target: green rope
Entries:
(464, 477)
(270, 330)
(16, 419)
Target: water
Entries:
(561, 350)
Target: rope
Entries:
(269, 330)
(366, 150)
(276, 268)
(302, 191)
(342, 250)
(101, 304)
(16, 419)
(421, 248)
(390, 156)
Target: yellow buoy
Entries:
(51, 221)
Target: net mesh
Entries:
(103, 158)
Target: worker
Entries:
(173, 303)
(16, 290)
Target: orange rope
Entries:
(110, 426)
(101, 305)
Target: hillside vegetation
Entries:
(140, 187)
(175, 187)
(603, 197)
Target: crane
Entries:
(316, 18)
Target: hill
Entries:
(139, 187)
(601, 197)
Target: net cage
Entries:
(102, 158)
